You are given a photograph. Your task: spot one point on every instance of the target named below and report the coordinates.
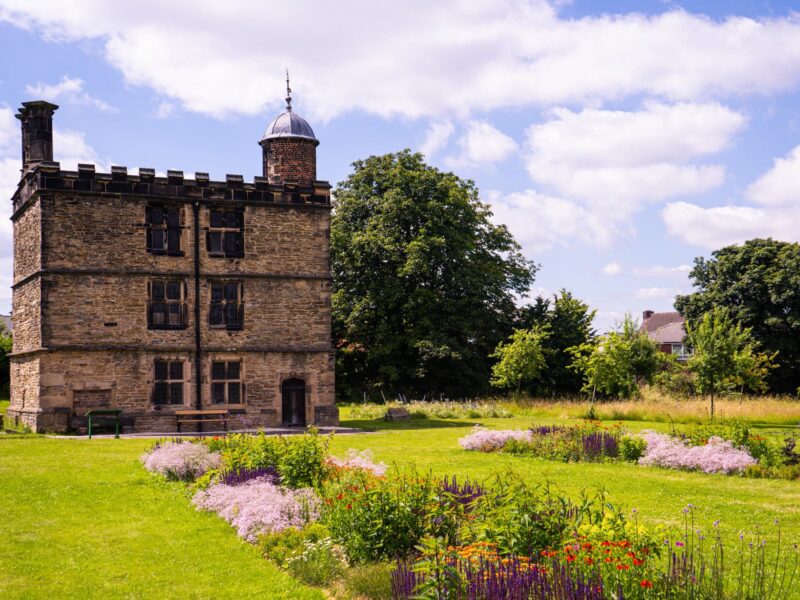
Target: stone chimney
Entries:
(647, 314)
(37, 132)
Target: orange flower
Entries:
(646, 584)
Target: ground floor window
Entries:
(168, 382)
(226, 382)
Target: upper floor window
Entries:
(227, 307)
(163, 229)
(166, 307)
(226, 233)
(168, 382)
(226, 382)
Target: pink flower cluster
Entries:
(184, 461)
(490, 440)
(259, 506)
(716, 456)
(359, 460)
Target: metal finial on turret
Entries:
(288, 93)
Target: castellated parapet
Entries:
(152, 294)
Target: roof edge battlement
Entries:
(48, 176)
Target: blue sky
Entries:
(618, 140)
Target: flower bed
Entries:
(715, 456)
(184, 461)
(455, 538)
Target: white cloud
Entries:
(723, 225)
(781, 184)
(656, 293)
(165, 110)
(613, 268)
(540, 222)
(70, 148)
(622, 159)
(436, 137)
(69, 89)
(482, 145)
(381, 57)
(661, 272)
(776, 212)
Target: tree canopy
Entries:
(568, 323)
(615, 364)
(519, 361)
(758, 283)
(424, 282)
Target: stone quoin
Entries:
(152, 294)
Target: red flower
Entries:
(637, 562)
(646, 584)
(340, 496)
(570, 557)
(605, 543)
(622, 567)
(349, 506)
(588, 560)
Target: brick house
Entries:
(151, 294)
(668, 329)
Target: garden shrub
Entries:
(282, 545)
(372, 581)
(384, 518)
(259, 506)
(716, 456)
(319, 562)
(300, 460)
(632, 448)
(182, 461)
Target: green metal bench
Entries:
(105, 414)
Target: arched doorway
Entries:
(294, 403)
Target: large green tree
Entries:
(758, 282)
(519, 361)
(568, 323)
(424, 282)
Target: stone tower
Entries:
(152, 294)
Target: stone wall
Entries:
(27, 241)
(26, 315)
(126, 379)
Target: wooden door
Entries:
(294, 403)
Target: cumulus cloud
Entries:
(69, 89)
(384, 59)
(661, 272)
(656, 293)
(436, 137)
(540, 222)
(613, 268)
(776, 212)
(482, 145)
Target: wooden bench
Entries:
(201, 416)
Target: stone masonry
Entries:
(157, 294)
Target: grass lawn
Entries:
(83, 519)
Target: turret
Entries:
(289, 148)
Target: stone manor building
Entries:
(153, 294)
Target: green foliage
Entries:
(674, 379)
(318, 563)
(520, 360)
(568, 323)
(423, 281)
(371, 581)
(299, 459)
(385, 518)
(631, 448)
(724, 355)
(618, 362)
(758, 282)
(283, 545)
(525, 519)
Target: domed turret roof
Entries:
(289, 125)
